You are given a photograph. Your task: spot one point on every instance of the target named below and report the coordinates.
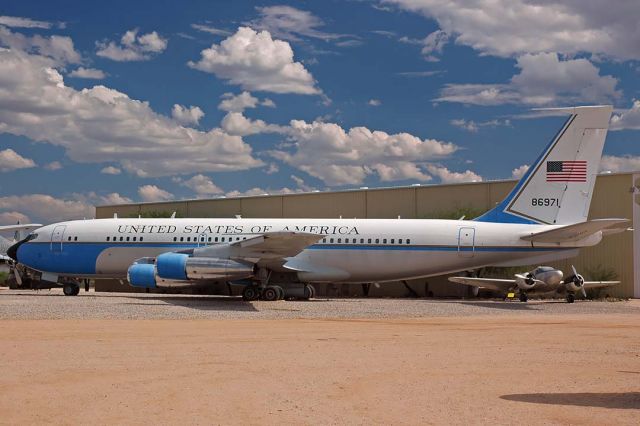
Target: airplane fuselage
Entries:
(364, 250)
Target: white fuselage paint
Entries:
(375, 250)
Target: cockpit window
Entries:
(31, 236)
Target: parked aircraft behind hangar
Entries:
(544, 218)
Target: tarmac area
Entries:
(137, 358)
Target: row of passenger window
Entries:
(369, 240)
(204, 239)
(74, 238)
(125, 239)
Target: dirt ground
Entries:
(557, 369)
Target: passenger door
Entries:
(466, 241)
(56, 238)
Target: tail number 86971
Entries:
(545, 202)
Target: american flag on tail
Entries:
(567, 171)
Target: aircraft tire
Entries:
(70, 289)
(271, 294)
(523, 297)
(570, 298)
(280, 291)
(250, 293)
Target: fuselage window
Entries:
(135, 238)
(324, 240)
(75, 238)
(339, 240)
(127, 238)
(188, 238)
(244, 238)
(222, 239)
(181, 238)
(121, 238)
(408, 241)
(361, 240)
(384, 241)
(377, 240)
(399, 240)
(331, 240)
(368, 240)
(209, 239)
(392, 240)
(108, 238)
(216, 239)
(69, 239)
(141, 238)
(175, 238)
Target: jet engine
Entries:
(180, 270)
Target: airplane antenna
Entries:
(115, 215)
(173, 215)
(462, 217)
(238, 216)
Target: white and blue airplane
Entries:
(544, 218)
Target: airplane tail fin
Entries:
(557, 188)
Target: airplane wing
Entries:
(490, 283)
(599, 284)
(268, 247)
(576, 231)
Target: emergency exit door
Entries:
(466, 241)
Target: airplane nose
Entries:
(12, 251)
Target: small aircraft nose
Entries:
(557, 277)
(12, 251)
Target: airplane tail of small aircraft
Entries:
(557, 188)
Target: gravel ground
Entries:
(52, 304)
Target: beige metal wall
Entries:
(612, 198)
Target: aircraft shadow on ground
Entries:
(509, 306)
(625, 400)
(206, 303)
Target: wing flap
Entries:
(576, 231)
(490, 283)
(274, 245)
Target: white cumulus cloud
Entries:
(518, 172)
(544, 79)
(20, 22)
(45, 208)
(289, 23)
(99, 124)
(89, 73)
(53, 166)
(447, 176)
(235, 123)
(186, 115)
(11, 160)
(340, 157)
(149, 193)
(58, 48)
(624, 163)
(110, 170)
(255, 61)
(132, 47)
(202, 185)
(627, 119)
(515, 27)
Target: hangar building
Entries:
(616, 195)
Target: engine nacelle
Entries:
(526, 283)
(575, 283)
(180, 270)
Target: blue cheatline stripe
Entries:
(435, 248)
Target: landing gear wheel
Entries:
(309, 292)
(250, 293)
(523, 297)
(270, 294)
(70, 289)
(280, 291)
(571, 298)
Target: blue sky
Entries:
(143, 101)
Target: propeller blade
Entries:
(574, 270)
(584, 292)
(17, 275)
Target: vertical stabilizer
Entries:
(557, 188)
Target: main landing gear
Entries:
(70, 289)
(571, 297)
(270, 293)
(523, 297)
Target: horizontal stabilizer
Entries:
(576, 231)
(20, 227)
(489, 283)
